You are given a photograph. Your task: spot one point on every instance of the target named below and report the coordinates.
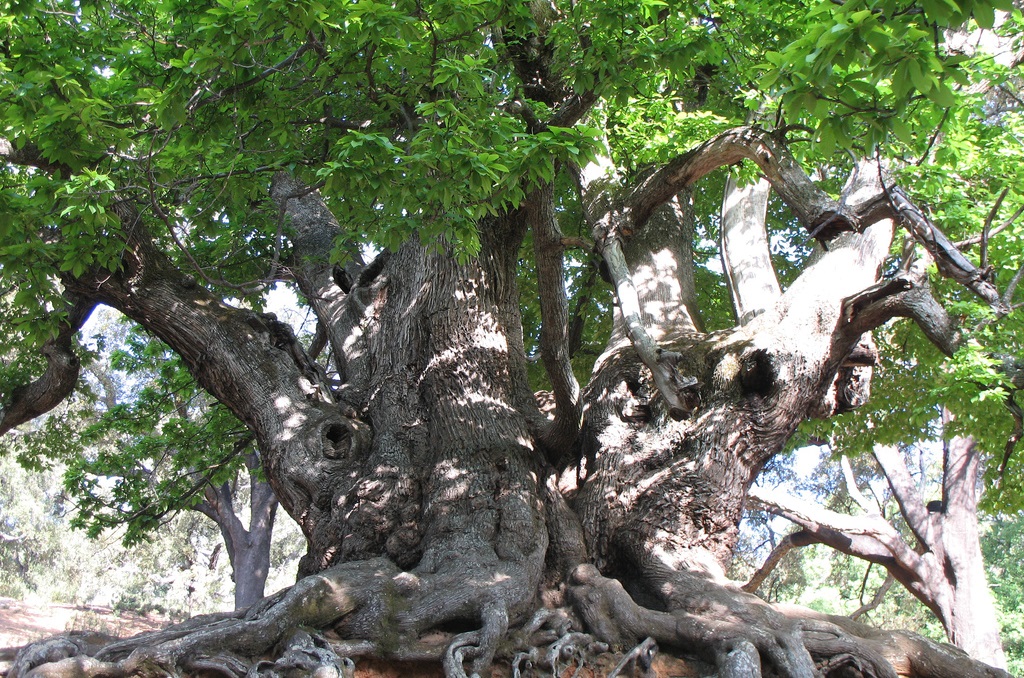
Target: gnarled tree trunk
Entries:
(435, 496)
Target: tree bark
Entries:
(944, 569)
(426, 483)
(973, 623)
(63, 365)
(248, 549)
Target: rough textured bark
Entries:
(63, 366)
(434, 496)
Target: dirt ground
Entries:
(22, 622)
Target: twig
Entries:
(1012, 287)
(964, 244)
(988, 227)
(1018, 432)
(879, 596)
(266, 73)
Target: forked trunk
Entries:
(424, 482)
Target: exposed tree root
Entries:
(740, 634)
(836, 640)
(315, 602)
(641, 656)
(305, 655)
(295, 633)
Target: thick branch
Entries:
(678, 390)
(58, 381)
(262, 500)
(326, 287)
(250, 362)
(29, 155)
(908, 295)
(950, 261)
(746, 258)
(217, 506)
(971, 626)
(869, 537)
(820, 214)
(554, 311)
(573, 109)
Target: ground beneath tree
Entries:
(24, 622)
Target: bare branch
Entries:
(554, 311)
(877, 599)
(263, 75)
(950, 261)
(791, 541)
(854, 491)
(678, 391)
(970, 242)
(1015, 436)
(1012, 287)
(902, 485)
(985, 232)
(869, 537)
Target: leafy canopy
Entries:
(420, 119)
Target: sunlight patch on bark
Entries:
(659, 288)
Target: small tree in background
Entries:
(937, 557)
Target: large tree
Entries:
(403, 165)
